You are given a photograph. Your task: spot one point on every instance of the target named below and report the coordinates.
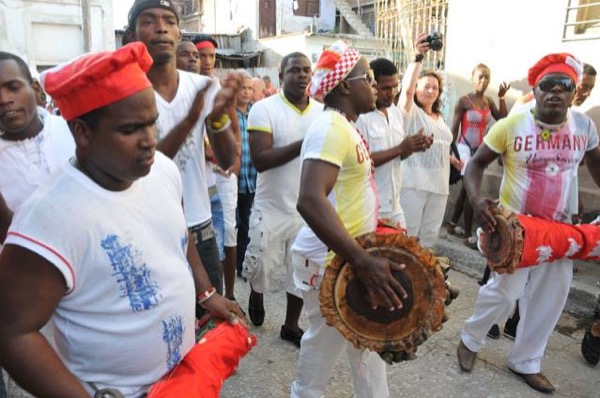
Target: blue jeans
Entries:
(218, 222)
(244, 208)
(206, 245)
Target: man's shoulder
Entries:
(188, 79)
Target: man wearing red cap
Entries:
(338, 201)
(541, 150)
(102, 246)
(186, 104)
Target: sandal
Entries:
(471, 242)
(590, 347)
(256, 311)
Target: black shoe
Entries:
(590, 348)
(256, 311)
(494, 332)
(292, 337)
(510, 330)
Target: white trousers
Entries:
(322, 347)
(542, 293)
(424, 214)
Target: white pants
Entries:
(228, 190)
(322, 347)
(542, 293)
(424, 213)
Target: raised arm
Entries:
(317, 180)
(501, 111)
(411, 76)
(30, 290)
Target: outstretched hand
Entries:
(383, 290)
(504, 87)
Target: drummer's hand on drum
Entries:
(225, 309)
(481, 209)
(383, 289)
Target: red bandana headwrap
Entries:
(205, 44)
(95, 80)
(333, 66)
(555, 63)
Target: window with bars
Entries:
(582, 20)
(306, 8)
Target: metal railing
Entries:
(582, 20)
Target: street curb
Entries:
(583, 295)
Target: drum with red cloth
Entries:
(395, 335)
(523, 241)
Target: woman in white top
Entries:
(426, 174)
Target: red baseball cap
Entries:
(555, 63)
(99, 79)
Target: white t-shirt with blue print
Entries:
(127, 316)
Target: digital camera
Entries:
(435, 41)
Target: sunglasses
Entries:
(565, 83)
(368, 76)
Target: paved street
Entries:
(268, 370)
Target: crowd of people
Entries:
(126, 219)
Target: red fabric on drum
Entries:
(547, 241)
(591, 249)
(208, 364)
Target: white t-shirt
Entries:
(430, 170)
(382, 133)
(127, 316)
(277, 189)
(190, 157)
(26, 164)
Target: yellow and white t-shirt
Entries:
(334, 140)
(277, 188)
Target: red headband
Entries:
(205, 44)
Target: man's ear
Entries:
(82, 133)
(344, 87)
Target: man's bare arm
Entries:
(30, 290)
(264, 156)
(317, 180)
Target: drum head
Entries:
(344, 306)
(503, 248)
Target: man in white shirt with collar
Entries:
(383, 131)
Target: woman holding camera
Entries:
(471, 118)
(425, 175)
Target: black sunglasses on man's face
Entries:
(565, 83)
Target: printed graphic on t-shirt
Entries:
(540, 163)
(173, 338)
(133, 275)
(548, 159)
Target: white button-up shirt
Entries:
(383, 133)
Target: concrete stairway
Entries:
(352, 18)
